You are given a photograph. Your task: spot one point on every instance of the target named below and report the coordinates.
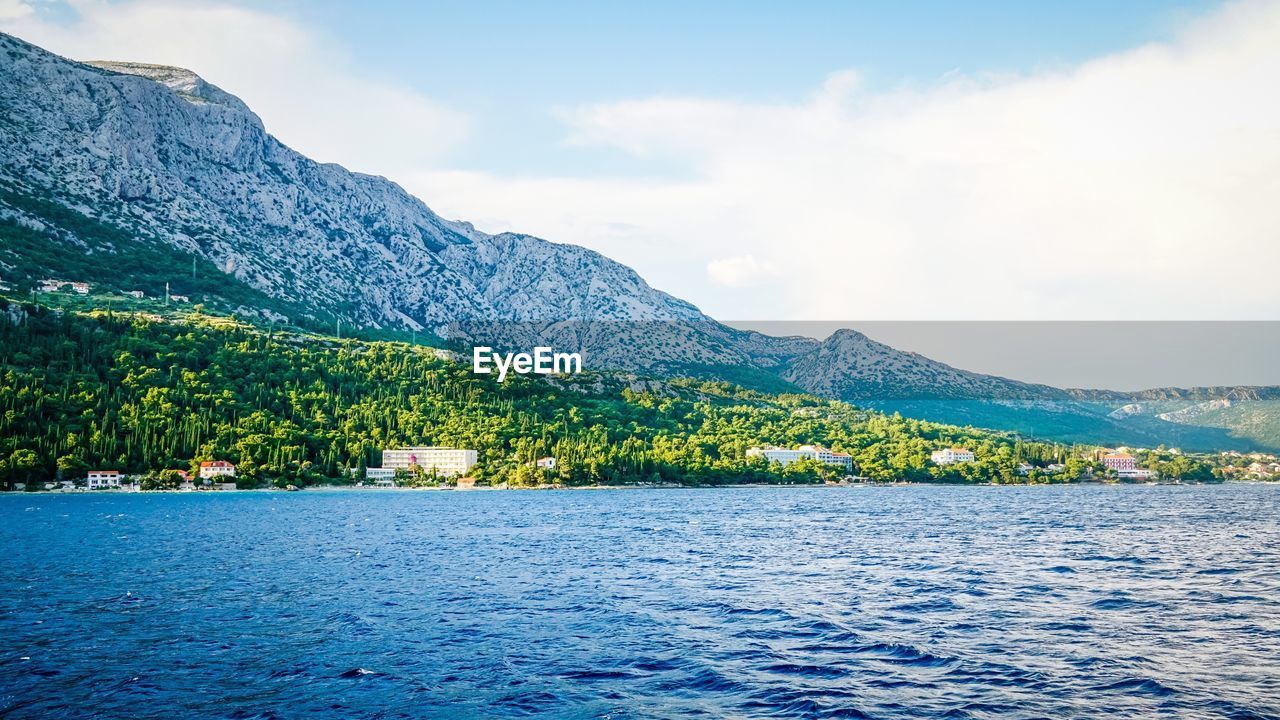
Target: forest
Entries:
(144, 394)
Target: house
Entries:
(1025, 468)
(179, 298)
(1126, 467)
(1119, 461)
(545, 463)
(950, 456)
(381, 476)
(1262, 470)
(785, 456)
(51, 285)
(216, 468)
(104, 479)
(443, 461)
(80, 288)
(1055, 467)
(135, 294)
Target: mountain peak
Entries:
(845, 335)
(183, 82)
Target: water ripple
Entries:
(905, 602)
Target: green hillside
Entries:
(117, 390)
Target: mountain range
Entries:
(142, 177)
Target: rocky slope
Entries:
(161, 154)
(848, 364)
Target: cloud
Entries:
(738, 272)
(15, 10)
(1139, 185)
(307, 90)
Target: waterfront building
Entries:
(786, 456)
(950, 456)
(545, 463)
(216, 468)
(444, 461)
(104, 479)
(1119, 461)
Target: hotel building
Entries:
(785, 457)
(441, 460)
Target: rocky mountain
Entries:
(142, 177)
(848, 364)
(160, 156)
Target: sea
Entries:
(769, 602)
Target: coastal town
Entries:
(438, 466)
(399, 465)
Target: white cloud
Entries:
(738, 272)
(1139, 185)
(308, 92)
(14, 10)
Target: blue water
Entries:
(904, 602)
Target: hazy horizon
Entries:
(1110, 355)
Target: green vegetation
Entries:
(116, 258)
(112, 390)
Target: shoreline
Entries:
(544, 488)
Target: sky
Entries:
(802, 161)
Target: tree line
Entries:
(107, 390)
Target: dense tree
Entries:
(120, 391)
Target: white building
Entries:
(442, 461)
(80, 288)
(216, 468)
(545, 463)
(1120, 462)
(382, 476)
(785, 457)
(135, 294)
(104, 479)
(950, 456)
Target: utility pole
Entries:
(166, 293)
